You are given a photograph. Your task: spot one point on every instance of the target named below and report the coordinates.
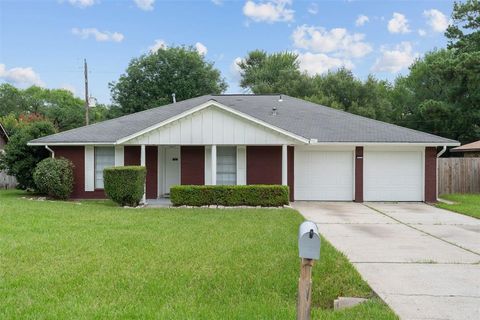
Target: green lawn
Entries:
(62, 260)
(468, 204)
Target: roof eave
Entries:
(360, 143)
(33, 143)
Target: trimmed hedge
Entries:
(54, 178)
(125, 185)
(251, 195)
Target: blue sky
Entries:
(44, 42)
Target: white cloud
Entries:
(422, 32)
(217, 2)
(235, 70)
(269, 11)
(20, 76)
(318, 63)
(201, 48)
(101, 36)
(146, 5)
(158, 44)
(337, 41)
(361, 20)
(394, 60)
(436, 19)
(398, 24)
(313, 8)
(81, 3)
(161, 44)
(68, 87)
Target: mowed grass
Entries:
(62, 260)
(468, 204)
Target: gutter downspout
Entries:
(51, 151)
(438, 156)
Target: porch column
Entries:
(214, 164)
(119, 156)
(142, 163)
(284, 165)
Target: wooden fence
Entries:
(6, 181)
(458, 175)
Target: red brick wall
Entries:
(264, 165)
(291, 171)
(359, 174)
(76, 154)
(192, 164)
(430, 174)
(131, 155)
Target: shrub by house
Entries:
(54, 178)
(125, 185)
(250, 195)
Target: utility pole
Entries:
(86, 90)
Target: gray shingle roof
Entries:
(306, 119)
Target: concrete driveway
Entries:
(422, 261)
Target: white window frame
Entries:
(111, 163)
(233, 165)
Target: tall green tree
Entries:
(463, 33)
(440, 95)
(19, 159)
(11, 100)
(342, 90)
(150, 80)
(264, 73)
(58, 105)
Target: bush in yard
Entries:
(54, 178)
(125, 185)
(251, 195)
(20, 160)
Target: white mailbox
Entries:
(308, 241)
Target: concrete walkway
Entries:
(421, 260)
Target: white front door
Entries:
(393, 176)
(172, 167)
(323, 175)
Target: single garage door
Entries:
(393, 176)
(324, 175)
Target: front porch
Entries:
(169, 165)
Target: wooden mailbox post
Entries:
(309, 251)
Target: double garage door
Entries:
(387, 175)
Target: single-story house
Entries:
(319, 152)
(470, 150)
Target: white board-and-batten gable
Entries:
(212, 126)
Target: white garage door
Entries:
(324, 175)
(393, 176)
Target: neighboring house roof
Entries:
(299, 117)
(471, 147)
(3, 133)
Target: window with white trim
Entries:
(104, 157)
(226, 165)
